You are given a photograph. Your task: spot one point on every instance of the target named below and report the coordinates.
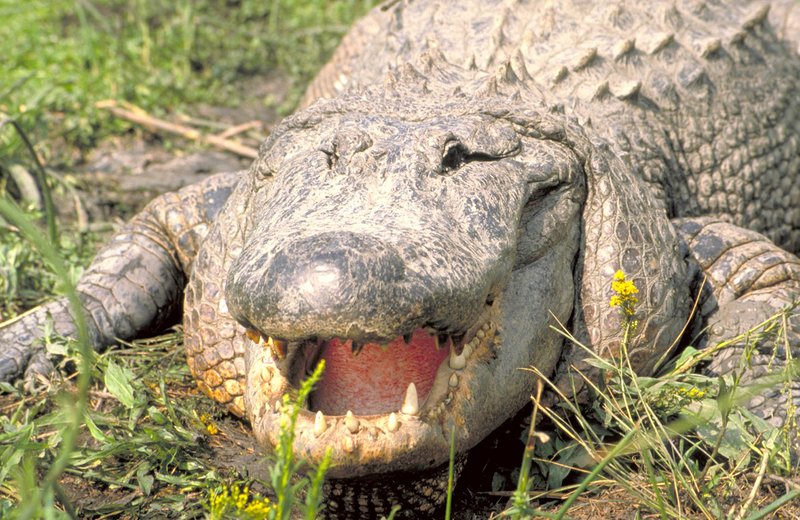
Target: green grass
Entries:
(61, 57)
(680, 445)
(139, 435)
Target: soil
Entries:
(122, 174)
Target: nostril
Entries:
(318, 285)
(347, 142)
(331, 155)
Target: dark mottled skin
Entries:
(480, 165)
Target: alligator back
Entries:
(699, 97)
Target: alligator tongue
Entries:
(375, 381)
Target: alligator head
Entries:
(423, 246)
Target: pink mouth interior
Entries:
(375, 381)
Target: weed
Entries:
(38, 495)
(236, 501)
(677, 444)
(285, 467)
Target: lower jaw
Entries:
(379, 443)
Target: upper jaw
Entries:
(412, 435)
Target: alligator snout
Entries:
(330, 284)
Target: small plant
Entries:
(624, 297)
(678, 444)
(237, 501)
(285, 468)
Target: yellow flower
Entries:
(692, 393)
(208, 422)
(624, 297)
(240, 500)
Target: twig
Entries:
(238, 129)
(789, 484)
(137, 115)
(197, 121)
(756, 486)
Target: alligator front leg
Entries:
(133, 287)
(749, 279)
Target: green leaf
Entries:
(686, 355)
(156, 415)
(145, 479)
(600, 363)
(118, 381)
(96, 433)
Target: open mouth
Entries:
(415, 374)
(373, 379)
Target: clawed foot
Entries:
(763, 356)
(23, 356)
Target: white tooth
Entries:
(410, 403)
(453, 382)
(351, 422)
(458, 362)
(277, 406)
(392, 424)
(320, 425)
(223, 306)
(486, 326)
(436, 342)
(467, 352)
(348, 444)
(480, 334)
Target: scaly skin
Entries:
(134, 285)
(482, 171)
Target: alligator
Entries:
(461, 177)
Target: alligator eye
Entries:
(455, 156)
